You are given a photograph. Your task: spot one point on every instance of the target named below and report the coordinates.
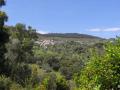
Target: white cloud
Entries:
(95, 30)
(114, 29)
(42, 32)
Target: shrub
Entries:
(21, 73)
(5, 83)
(61, 83)
(102, 72)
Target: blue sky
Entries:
(94, 17)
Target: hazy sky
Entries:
(94, 17)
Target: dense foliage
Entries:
(70, 65)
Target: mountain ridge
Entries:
(70, 35)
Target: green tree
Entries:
(19, 53)
(4, 37)
(102, 72)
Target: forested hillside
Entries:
(31, 61)
(70, 37)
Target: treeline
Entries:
(25, 65)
